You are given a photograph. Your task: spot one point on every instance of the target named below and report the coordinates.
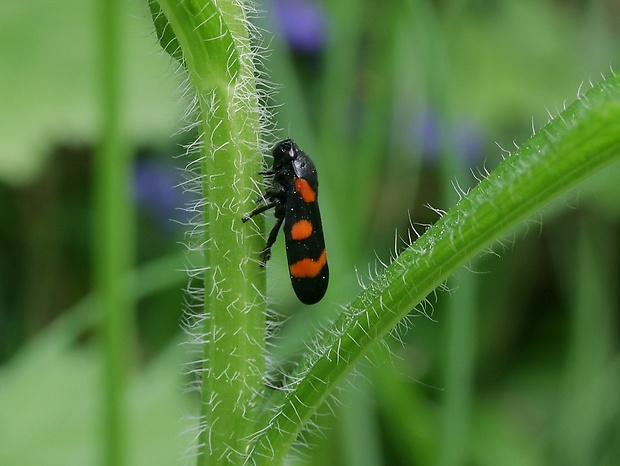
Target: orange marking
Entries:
(301, 230)
(308, 268)
(305, 190)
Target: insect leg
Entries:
(273, 235)
(259, 210)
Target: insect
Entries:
(294, 196)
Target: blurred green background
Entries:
(395, 102)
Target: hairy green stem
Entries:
(580, 141)
(235, 426)
(216, 51)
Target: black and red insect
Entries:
(294, 194)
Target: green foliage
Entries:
(583, 139)
(521, 366)
(50, 64)
(165, 34)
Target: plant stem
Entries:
(113, 237)
(217, 54)
(580, 141)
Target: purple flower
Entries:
(156, 191)
(302, 24)
(464, 136)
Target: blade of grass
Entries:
(409, 419)
(582, 408)
(113, 238)
(461, 319)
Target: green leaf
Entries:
(203, 34)
(580, 141)
(165, 33)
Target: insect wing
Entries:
(305, 244)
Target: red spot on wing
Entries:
(308, 268)
(304, 189)
(301, 230)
